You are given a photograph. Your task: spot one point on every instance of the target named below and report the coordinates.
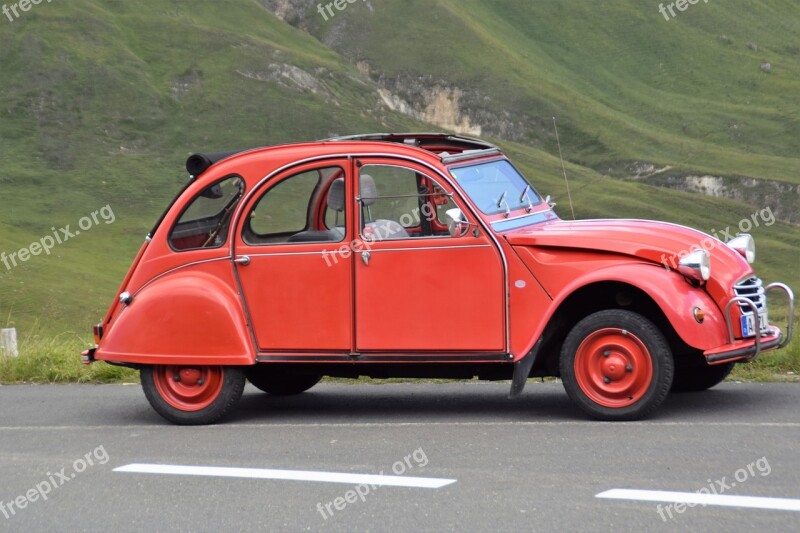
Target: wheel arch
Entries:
(192, 318)
(667, 304)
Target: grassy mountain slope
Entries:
(102, 100)
(628, 84)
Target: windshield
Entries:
(494, 186)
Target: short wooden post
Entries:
(8, 342)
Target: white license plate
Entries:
(749, 324)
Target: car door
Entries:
(293, 261)
(417, 289)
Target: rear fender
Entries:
(189, 318)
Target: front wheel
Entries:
(192, 395)
(616, 365)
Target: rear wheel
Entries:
(616, 365)
(699, 377)
(192, 395)
(281, 381)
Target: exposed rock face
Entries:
(185, 82)
(291, 11)
(291, 77)
(444, 110)
(441, 107)
(782, 198)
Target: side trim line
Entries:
(384, 358)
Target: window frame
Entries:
(321, 189)
(359, 211)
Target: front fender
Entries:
(190, 318)
(674, 296)
(562, 274)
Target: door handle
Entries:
(365, 257)
(243, 260)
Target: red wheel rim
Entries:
(613, 367)
(188, 388)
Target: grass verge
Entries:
(58, 360)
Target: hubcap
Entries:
(188, 388)
(613, 367)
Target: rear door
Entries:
(293, 262)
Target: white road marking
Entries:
(726, 500)
(291, 475)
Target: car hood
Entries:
(654, 242)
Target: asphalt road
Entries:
(530, 464)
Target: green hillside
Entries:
(628, 84)
(102, 100)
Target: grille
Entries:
(753, 290)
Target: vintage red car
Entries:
(420, 256)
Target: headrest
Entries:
(336, 195)
(368, 191)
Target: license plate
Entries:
(749, 324)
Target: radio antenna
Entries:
(564, 169)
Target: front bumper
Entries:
(772, 338)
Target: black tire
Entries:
(178, 401)
(616, 365)
(696, 377)
(279, 381)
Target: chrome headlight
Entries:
(745, 245)
(696, 266)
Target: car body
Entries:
(420, 255)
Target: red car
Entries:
(421, 256)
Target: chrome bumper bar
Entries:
(747, 302)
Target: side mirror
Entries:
(549, 201)
(457, 223)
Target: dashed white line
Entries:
(693, 498)
(290, 475)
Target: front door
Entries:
(294, 270)
(417, 288)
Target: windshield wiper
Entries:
(526, 196)
(502, 201)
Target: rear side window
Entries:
(308, 207)
(206, 221)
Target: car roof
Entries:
(448, 148)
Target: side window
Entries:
(206, 221)
(289, 211)
(400, 203)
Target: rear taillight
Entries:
(98, 333)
